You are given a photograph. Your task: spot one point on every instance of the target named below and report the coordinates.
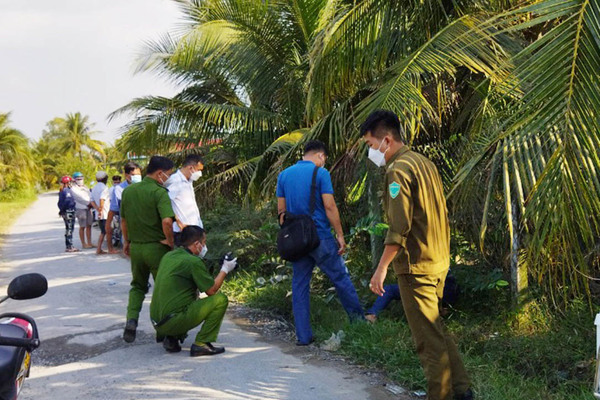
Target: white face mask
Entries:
(378, 156)
(196, 175)
(203, 252)
(79, 182)
(136, 178)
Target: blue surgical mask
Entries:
(136, 178)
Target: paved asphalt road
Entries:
(81, 319)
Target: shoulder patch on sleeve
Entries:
(394, 189)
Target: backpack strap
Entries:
(313, 189)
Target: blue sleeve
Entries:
(61, 200)
(114, 206)
(280, 190)
(324, 181)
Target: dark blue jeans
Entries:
(69, 218)
(327, 258)
(392, 292)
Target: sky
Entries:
(66, 56)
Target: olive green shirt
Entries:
(181, 275)
(143, 206)
(416, 212)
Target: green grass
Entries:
(529, 355)
(12, 206)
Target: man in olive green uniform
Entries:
(147, 226)
(176, 307)
(418, 246)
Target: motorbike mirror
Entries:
(28, 286)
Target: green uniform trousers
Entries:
(421, 298)
(145, 258)
(210, 310)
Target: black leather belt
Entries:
(162, 321)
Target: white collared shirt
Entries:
(99, 192)
(183, 200)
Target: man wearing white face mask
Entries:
(83, 210)
(183, 198)
(176, 307)
(147, 227)
(417, 245)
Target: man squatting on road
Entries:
(176, 306)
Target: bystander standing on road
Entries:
(176, 307)
(66, 207)
(293, 196)
(101, 203)
(83, 210)
(183, 198)
(132, 174)
(114, 238)
(147, 226)
(417, 245)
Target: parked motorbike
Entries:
(18, 335)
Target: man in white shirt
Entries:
(101, 203)
(83, 210)
(183, 198)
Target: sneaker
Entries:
(129, 332)
(299, 343)
(171, 344)
(205, 350)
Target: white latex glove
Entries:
(228, 265)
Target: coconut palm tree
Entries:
(504, 99)
(17, 166)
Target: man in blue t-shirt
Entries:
(133, 174)
(293, 196)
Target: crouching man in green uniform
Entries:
(176, 307)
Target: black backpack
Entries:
(298, 234)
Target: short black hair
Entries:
(104, 180)
(130, 167)
(192, 159)
(190, 234)
(159, 163)
(116, 178)
(382, 122)
(315, 146)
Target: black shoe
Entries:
(205, 350)
(468, 395)
(171, 344)
(299, 343)
(160, 339)
(129, 332)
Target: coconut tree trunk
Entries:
(518, 271)
(374, 203)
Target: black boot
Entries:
(468, 395)
(129, 332)
(171, 344)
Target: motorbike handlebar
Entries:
(29, 344)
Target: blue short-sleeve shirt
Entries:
(293, 184)
(115, 197)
